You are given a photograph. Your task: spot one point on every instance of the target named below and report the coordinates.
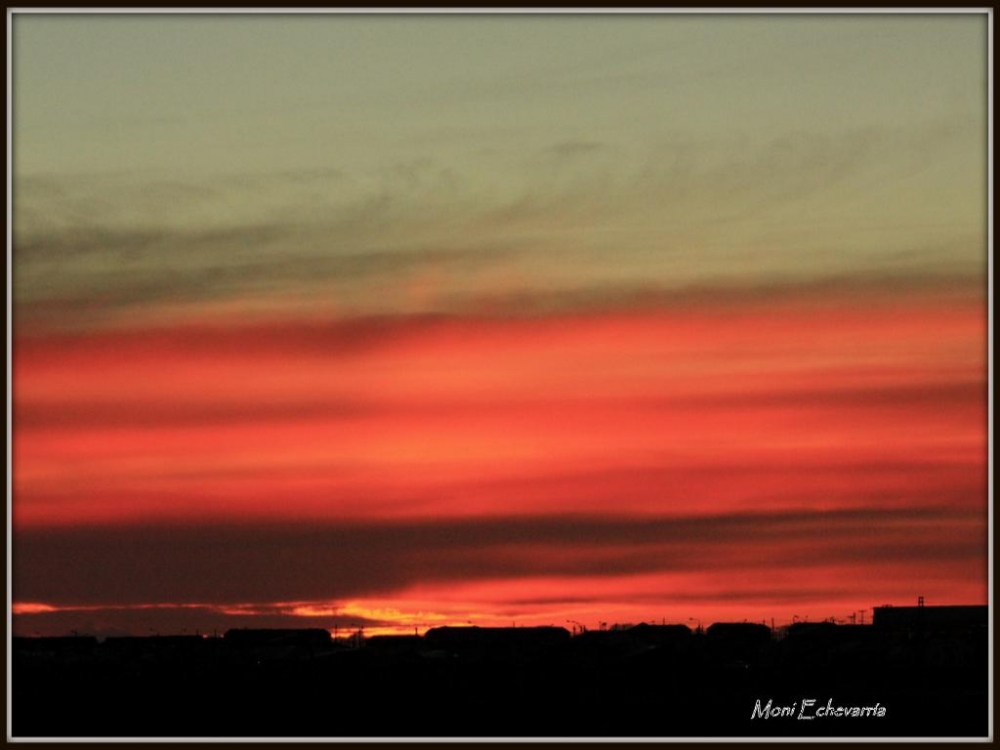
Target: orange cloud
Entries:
(658, 413)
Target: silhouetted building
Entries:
(394, 644)
(745, 632)
(737, 641)
(659, 635)
(811, 629)
(278, 637)
(520, 682)
(162, 642)
(814, 643)
(920, 618)
(494, 641)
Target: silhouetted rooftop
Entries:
(658, 634)
(916, 617)
(738, 630)
(474, 636)
(295, 636)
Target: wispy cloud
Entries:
(684, 213)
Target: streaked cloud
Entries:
(439, 319)
(252, 562)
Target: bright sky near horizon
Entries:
(401, 320)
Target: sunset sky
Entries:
(398, 321)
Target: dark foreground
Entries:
(643, 682)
